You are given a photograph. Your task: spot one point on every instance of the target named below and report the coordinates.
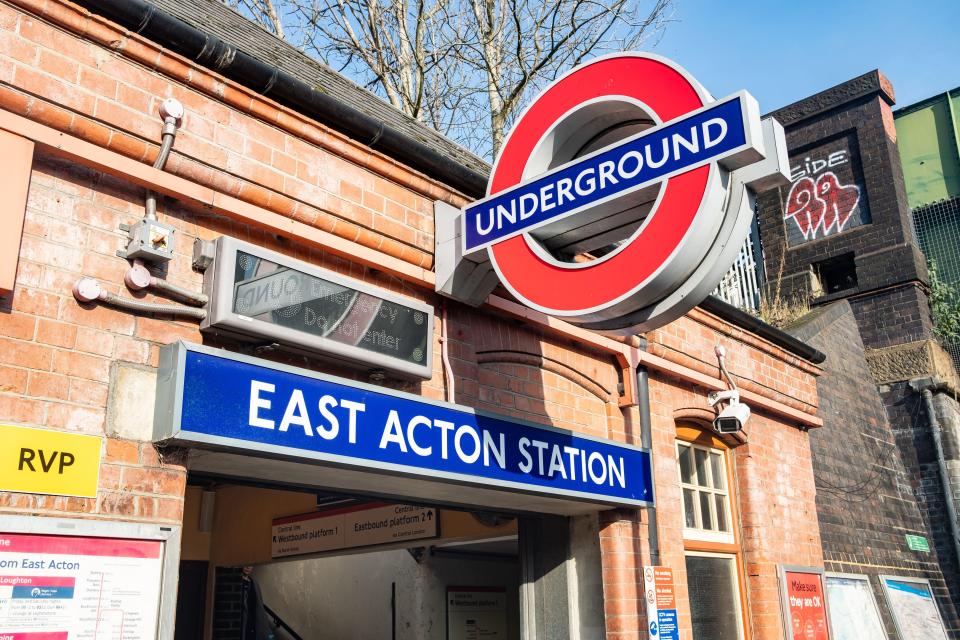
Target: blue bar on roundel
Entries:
(639, 161)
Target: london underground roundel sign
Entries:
(624, 193)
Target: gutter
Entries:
(646, 441)
(209, 51)
(744, 320)
(213, 53)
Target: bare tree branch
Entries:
(465, 67)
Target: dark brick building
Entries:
(839, 239)
(855, 244)
(868, 490)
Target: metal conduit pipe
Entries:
(151, 307)
(139, 278)
(450, 387)
(935, 429)
(172, 112)
(89, 290)
(646, 441)
(192, 297)
(208, 50)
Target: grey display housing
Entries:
(220, 284)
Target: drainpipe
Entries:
(646, 441)
(924, 385)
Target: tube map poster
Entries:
(914, 609)
(76, 588)
(853, 610)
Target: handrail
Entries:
(277, 620)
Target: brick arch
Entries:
(539, 361)
(695, 424)
(700, 416)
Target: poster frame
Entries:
(785, 616)
(168, 534)
(476, 589)
(852, 576)
(893, 612)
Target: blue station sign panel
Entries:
(213, 398)
(707, 135)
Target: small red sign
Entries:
(806, 603)
(663, 579)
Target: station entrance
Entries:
(285, 562)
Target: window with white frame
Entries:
(706, 497)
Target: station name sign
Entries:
(209, 397)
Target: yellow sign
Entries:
(50, 462)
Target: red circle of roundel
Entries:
(553, 287)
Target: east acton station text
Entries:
(329, 418)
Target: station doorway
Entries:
(286, 562)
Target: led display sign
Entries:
(261, 295)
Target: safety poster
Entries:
(79, 588)
(805, 605)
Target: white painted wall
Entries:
(348, 597)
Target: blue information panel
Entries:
(667, 624)
(221, 399)
(639, 161)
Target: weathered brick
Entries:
(25, 354)
(155, 481)
(17, 325)
(123, 451)
(58, 334)
(71, 417)
(16, 408)
(48, 385)
(81, 365)
(13, 380)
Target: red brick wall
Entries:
(774, 496)
(57, 356)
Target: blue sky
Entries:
(784, 51)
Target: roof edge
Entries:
(211, 52)
(868, 84)
(758, 327)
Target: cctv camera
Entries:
(732, 418)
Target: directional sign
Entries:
(361, 525)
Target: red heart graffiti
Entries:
(822, 206)
(805, 207)
(840, 201)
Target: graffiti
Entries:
(812, 166)
(821, 207)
